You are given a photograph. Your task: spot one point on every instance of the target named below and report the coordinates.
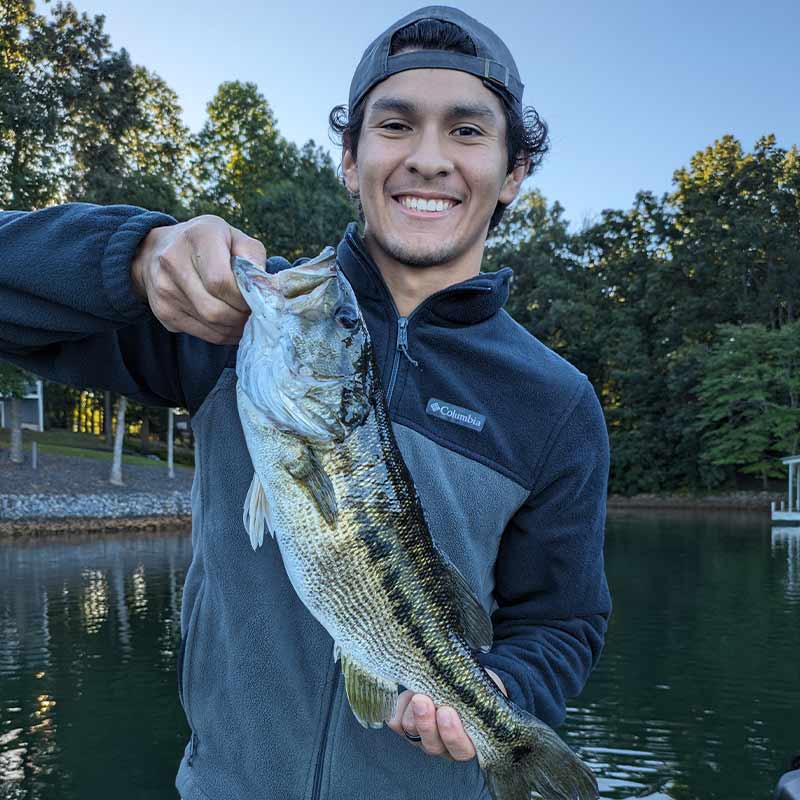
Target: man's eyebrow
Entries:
(460, 110)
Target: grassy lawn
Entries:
(86, 445)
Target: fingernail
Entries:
(418, 707)
(445, 718)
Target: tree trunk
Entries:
(170, 467)
(107, 417)
(16, 431)
(116, 465)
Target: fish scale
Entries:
(332, 488)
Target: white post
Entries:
(170, 467)
(34, 459)
(791, 475)
(40, 400)
(797, 482)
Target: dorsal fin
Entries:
(473, 621)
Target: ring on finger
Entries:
(411, 737)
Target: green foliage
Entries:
(306, 209)
(14, 382)
(246, 172)
(750, 394)
(637, 300)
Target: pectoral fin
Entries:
(372, 699)
(311, 475)
(256, 513)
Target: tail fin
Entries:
(543, 763)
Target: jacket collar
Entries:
(467, 302)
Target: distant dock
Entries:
(790, 512)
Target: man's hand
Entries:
(440, 728)
(184, 273)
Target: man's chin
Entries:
(420, 255)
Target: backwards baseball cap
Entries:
(492, 63)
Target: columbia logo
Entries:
(453, 413)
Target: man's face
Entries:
(431, 135)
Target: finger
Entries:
(209, 249)
(210, 309)
(218, 283)
(171, 299)
(178, 321)
(396, 722)
(425, 721)
(453, 735)
(248, 247)
(408, 724)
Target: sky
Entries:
(630, 90)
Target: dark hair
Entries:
(526, 135)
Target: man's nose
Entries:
(428, 156)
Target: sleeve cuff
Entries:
(117, 258)
(515, 693)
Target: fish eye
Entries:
(346, 317)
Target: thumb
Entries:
(248, 247)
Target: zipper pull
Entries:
(402, 339)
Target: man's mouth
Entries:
(425, 205)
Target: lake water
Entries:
(697, 695)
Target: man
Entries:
(505, 440)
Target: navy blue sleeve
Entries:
(68, 312)
(550, 585)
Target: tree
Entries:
(237, 155)
(751, 398)
(14, 382)
(79, 122)
(554, 293)
(30, 109)
(119, 437)
(306, 209)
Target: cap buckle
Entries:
(487, 72)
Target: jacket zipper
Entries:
(400, 347)
(317, 788)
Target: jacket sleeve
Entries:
(68, 312)
(552, 597)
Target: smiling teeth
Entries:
(421, 204)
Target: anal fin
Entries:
(372, 699)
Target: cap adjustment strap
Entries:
(491, 75)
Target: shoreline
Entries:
(731, 501)
(35, 525)
(44, 526)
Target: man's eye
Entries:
(393, 126)
(470, 131)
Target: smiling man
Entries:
(505, 440)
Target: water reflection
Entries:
(95, 599)
(696, 696)
(88, 683)
(787, 540)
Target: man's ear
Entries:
(512, 183)
(349, 169)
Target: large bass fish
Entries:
(332, 488)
